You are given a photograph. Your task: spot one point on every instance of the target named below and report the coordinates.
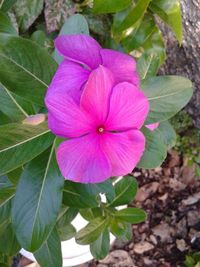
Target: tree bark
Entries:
(185, 60)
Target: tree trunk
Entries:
(185, 60)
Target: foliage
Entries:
(36, 206)
(192, 260)
(187, 139)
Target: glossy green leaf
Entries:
(167, 95)
(19, 143)
(91, 231)
(110, 6)
(26, 69)
(6, 24)
(5, 5)
(67, 214)
(15, 107)
(5, 182)
(4, 119)
(10, 106)
(131, 215)
(50, 253)
(117, 228)
(14, 175)
(121, 230)
(170, 12)
(106, 188)
(4, 261)
(79, 195)
(8, 241)
(140, 34)
(100, 248)
(125, 191)
(37, 200)
(39, 37)
(148, 65)
(136, 13)
(76, 24)
(128, 233)
(27, 11)
(155, 45)
(6, 196)
(168, 133)
(117, 21)
(155, 150)
(90, 214)
(66, 231)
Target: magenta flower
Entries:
(82, 54)
(103, 126)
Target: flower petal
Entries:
(152, 126)
(128, 108)
(124, 150)
(69, 78)
(79, 48)
(122, 66)
(96, 94)
(65, 118)
(82, 160)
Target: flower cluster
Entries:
(95, 102)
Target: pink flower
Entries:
(152, 126)
(103, 127)
(82, 54)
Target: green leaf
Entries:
(37, 201)
(131, 215)
(91, 231)
(8, 241)
(100, 248)
(79, 195)
(155, 45)
(106, 188)
(90, 214)
(117, 227)
(76, 24)
(128, 234)
(10, 106)
(19, 143)
(167, 95)
(148, 65)
(170, 12)
(39, 37)
(5, 5)
(139, 34)
(110, 6)
(6, 196)
(155, 150)
(117, 21)
(66, 231)
(136, 14)
(125, 191)
(67, 214)
(6, 24)
(14, 175)
(168, 133)
(50, 253)
(25, 68)
(27, 11)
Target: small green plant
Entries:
(192, 260)
(187, 139)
